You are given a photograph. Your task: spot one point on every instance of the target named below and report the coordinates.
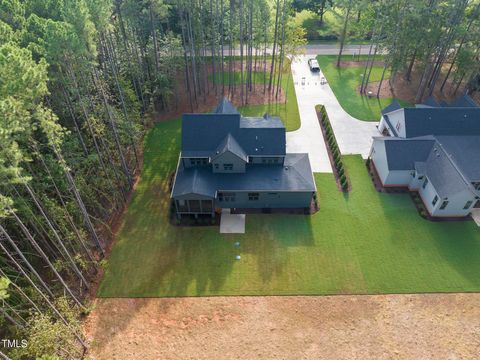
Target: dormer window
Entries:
(228, 167)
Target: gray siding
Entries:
(228, 158)
(192, 162)
(269, 199)
(266, 159)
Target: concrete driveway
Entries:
(353, 136)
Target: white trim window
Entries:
(468, 204)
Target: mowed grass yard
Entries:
(361, 243)
(287, 111)
(346, 80)
(330, 30)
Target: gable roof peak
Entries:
(395, 105)
(225, 107)
(230, 144)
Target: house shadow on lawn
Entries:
(269, 237)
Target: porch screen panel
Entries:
(207, 205)
(194, 205)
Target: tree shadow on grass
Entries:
(192, 264)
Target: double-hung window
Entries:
(468, 204)
(226, 196)
(425, 183)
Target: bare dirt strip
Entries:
(433, 326)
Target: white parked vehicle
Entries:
(313, 64)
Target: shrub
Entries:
(344, 185)
(334, 147)
(343, 178)
(332, 144)
(340, 170)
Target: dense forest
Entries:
(438, 40)
(81, 81)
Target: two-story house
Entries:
(230, 161)
(434, 149)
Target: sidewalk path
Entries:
(353, 136)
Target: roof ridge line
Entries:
(296, 161)
(457, 168)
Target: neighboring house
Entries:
(230, 161)
(433, 149)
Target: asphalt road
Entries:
(316, 49)
(332, 49)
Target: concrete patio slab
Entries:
(232, 223)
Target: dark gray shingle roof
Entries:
(443, 174)
(294, 175)
(442, 121)
(264, 122)
(464, 101)
(402, 154)
(395, 105)
(230, 144)
(430, 101)
(440, 159)
(420, 167)
(225, 107)
(203, 133)
(465, 151)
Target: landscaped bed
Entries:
(363, 242)
(345, 82)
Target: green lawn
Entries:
(360, 243)
(330, 30)
(288, 111)
(345, 82)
